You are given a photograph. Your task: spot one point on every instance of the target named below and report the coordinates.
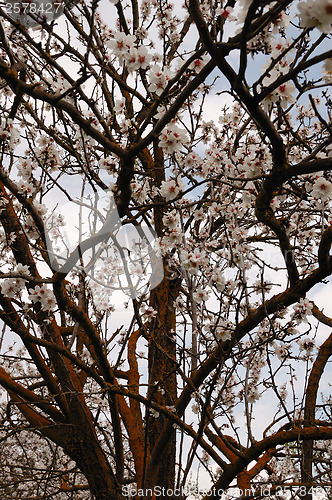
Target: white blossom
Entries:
(158, 79)
(281, 350)
(322, 189)
(170, 189)
(226, 13)
(327, 70)
(200, 295)
(199, 63)
(172, 138)
(154, 413)
(316, 13)
(121, 44)
(301, 310)
(43, 295)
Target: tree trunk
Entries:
(162, 375)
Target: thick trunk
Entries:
(162, 351)
(99, 475)
(316, 373)
(162, 376)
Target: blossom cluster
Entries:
(302, 310)
(316, 13)
(44, 296)
(9, 133)
(159, 79)
(123, 47)
(172, 138)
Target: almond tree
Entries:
(192, 363)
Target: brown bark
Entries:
(325, 352)
(162, 355)
(79, 442)
(254, 452)
(162, 377)
(243, 478)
